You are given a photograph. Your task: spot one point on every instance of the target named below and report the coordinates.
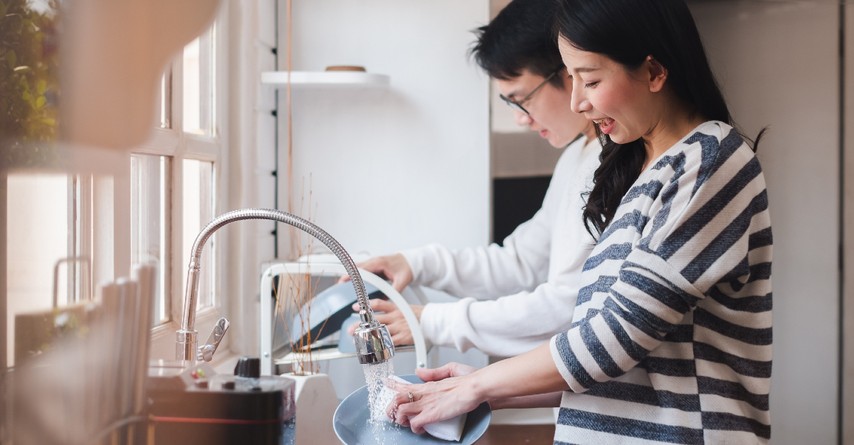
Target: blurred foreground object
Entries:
(113, 55)
(84, 383)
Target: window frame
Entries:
(179, 146)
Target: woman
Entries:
(671, 333)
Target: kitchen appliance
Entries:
(195, 405)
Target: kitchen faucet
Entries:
(373, 341)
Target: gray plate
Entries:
(351, 423)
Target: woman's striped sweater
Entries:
(671, 334)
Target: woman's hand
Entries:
(418, 405)
(452, 369)
(530, 379)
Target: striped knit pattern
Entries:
(671, 334)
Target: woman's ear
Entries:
(657, 74)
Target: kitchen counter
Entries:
(517, 435)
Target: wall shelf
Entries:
(325, 79)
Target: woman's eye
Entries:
(591, 84)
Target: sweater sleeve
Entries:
(521, 305)
(522, 263)
(505, 327)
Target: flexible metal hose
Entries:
(186, 336)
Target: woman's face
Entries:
(549, 113)
(619, 101)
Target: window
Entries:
(174, 187)
(198, 182)
(150, 207)
(199, 79)
(37, 237)
(67, 232)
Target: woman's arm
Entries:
(548, 400)
(533, 373)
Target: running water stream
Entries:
(376, 376)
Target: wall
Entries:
(848, 221)
(391, 168)
(778, 65)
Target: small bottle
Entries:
(247, 374)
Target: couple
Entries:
(660, 287)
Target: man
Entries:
(516, 296)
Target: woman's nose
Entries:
(578, 101)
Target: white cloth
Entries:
(530, 282)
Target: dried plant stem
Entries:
(294, 293)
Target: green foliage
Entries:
(29, 76)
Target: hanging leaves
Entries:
(29, 78)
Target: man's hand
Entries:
(388, 314)
(391, 267)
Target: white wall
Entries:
(778, 65)
(392, 168)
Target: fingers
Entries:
(433, 374)
(404, 407)
(378, 305)
(381, 305)
(451, 369)
(401, 337)
(391, 267)
(387, 313)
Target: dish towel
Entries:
(449, 429)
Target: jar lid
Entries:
(345, 68)
(248, 367)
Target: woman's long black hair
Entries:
(627, 31)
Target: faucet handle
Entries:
(207, 350)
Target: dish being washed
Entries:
(353, 426)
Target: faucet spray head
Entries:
(373, 341)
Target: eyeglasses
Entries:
(518, 104)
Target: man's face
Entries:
(548, 109)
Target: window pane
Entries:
(37, 238)
(166, 99)
(198, 195)
(199, 100)
(150, 235)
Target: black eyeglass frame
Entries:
(518, 104)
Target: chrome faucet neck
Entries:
(375, 348)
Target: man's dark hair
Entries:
(520, 37)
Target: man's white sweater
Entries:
(516, 296)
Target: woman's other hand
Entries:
(452, 369)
